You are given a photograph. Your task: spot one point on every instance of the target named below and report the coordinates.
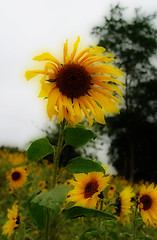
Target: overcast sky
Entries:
(30, 27)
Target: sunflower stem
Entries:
(134, 224)
(99, 219)
(58, 153)
(56, 159)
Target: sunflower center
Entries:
(16, 176)
(147, 202)
(73, 80)
(91, 188)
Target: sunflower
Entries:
(84, 82)
(13, 213)
(147, 203)
(87, 189)
(8, 227)
(17, 177)
(123, 204)
(111, 191)
(13, 221)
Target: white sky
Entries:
(30, 27)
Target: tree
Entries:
(132, 133)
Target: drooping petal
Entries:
(32, 73)
(47, 56)
(86, 112)
(52, 99)
(104, 92)
(46, 87)
(105, 69)
(107, 79)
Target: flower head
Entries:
(13, 221)
(17, 177)
(87, 189)
(147, 203)
(123, 204)
(82, 83)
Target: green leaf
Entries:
(77, 136)
(113, 235)
(53, 199)
(92, 232)
(38, 214)
(144, 238)
(83, 235)
(83, 165)
(75, 212)
(39, 149)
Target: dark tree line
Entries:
(133, 132)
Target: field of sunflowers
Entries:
(130, 209)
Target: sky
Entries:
(29, 28)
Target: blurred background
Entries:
(126, 28)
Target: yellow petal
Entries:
(96, 111)
(111, 88)
(105, 69)
(84, 51)
(47, 56)
(52, 99)
(32, 73)
(77, 110)
(75, 49)
(106, 79)
(65, 52)
(104, 92)
(86, 113)
(105, 102)
(51, 66)
(95, 50)
(46, 88)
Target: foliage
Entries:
(134, 43)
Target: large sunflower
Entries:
(148, 204)
(17, 177)
(87, 189)
(82, 83)
(123, 204)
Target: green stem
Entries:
(56, 159)
(48, 217)
(99, 219)
(58, 153)
(134, 224)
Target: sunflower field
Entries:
(119, 209)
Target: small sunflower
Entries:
(13, 221)
(147, 203)
(87, 189)
(13, 213)
(8, 227)
(82, 83)
(123, 204)
(17, 177)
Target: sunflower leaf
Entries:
(113, 235)
(83, 165)
(77, 136)
(39, 149)
(77, 211)
(38, 214)
(92, 232)
(53, 199)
